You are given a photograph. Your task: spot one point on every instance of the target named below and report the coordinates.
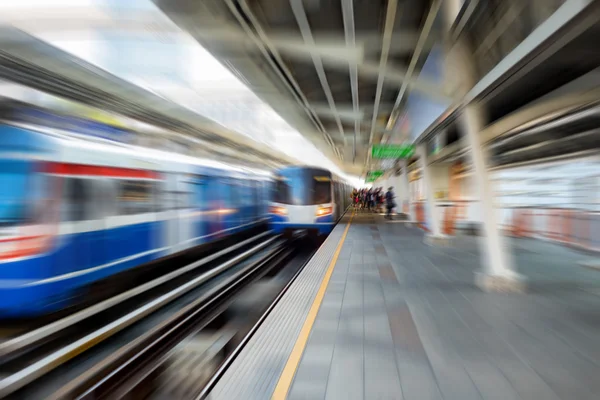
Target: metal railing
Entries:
(574, 227)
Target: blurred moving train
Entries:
(307, 199)
(75, 211)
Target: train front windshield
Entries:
(302, 187)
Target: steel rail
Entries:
(19, 379)
(19, 343)
(107, 377)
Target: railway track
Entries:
(153, 315)
(125, 374)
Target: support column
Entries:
(434, 237)
(498, 269)
(404, 190)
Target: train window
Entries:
(76, 200)
(220, 193)
(238, 193)
(108, 197)
(197, 195)
(102, 197)
(242, 193)
(302, 187)
(282, 191)
(198, 188)
(185, 196)
(230, 189)
(321, 191)
(248, 193)
(256, 198)
(177, 192)
(42, 200)
(135, 197)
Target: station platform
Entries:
(378, 314)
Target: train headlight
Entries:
(277, 210)
(322, 211)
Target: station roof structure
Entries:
(30, 62)
(346, 75)
(351, 74)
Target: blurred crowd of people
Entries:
(374, 200)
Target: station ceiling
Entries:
(545, 108)
(333, 69)
(340, 71)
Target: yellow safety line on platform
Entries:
(287, 376)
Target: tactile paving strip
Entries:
(255, 372)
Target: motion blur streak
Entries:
(143, 137)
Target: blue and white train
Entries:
(74, 212)
(307, 199)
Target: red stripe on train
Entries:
(97, 170)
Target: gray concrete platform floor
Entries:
(402, 320)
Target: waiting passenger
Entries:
(390, 204)
(372, 198)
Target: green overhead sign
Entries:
(392, 151)
(372, 176)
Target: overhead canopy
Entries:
(36, 64)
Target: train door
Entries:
(267, 197)
(225, 199)
(185, 211)
(199, 205)
(255, 200)
(251, 190)
(77, 249)
(262, 198)
(171, 213)
(217, 192)
(246, 201)
(158, 207)
(104, 206)
(235, 204)
(238, 203)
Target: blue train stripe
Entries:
(99, 267)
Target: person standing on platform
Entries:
(389, 202)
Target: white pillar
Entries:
(431, 212)
(498, 267)
(404, 189)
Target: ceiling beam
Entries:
(349, 33)
(431, 16)
(347, 114)
(345, 109)
(363, 108)
(301, 19)
(206, 28)
(392, 74)
(390, 17)
(269, 51)
(367, 43)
